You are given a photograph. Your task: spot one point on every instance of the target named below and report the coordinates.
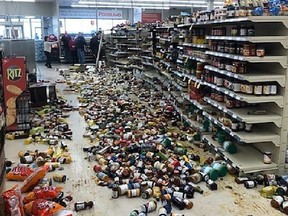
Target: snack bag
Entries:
(12, 202)
(47, 192)
(32, 180)
(42, 207)
(19, 173)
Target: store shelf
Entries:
(242, 114)
(119, 37)
(246, 160)
(123, 62)
(168, 64)
(255, 19)
(253, 59)
(148, 64)
(250, 77)
(184, 25)
(255, 39)
(147, 57)
(195, 103)
(165, 39)
(177, 72)
(258, 135)
(179, 87)
(194, 58)
(135, 58)
(134, 49)
(203, 46)
(165, 27)
(278, 99)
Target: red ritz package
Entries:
(19, 173)
(12, 202)
(48, 193)
(42, 207)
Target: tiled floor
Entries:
(81, 184)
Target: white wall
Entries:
(27, 9)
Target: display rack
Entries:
(267, 114)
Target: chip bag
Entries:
(42, 207)
(12, 202)
(47, 192)
(19, 173)
(32, 180)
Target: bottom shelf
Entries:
(246, 160)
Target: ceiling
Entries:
(153, 4)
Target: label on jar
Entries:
(250, 184)
(285, 204)
(29, 159)
(123, 189)
(220, 81)
(234, 126)
(178, 194)
(162, 211)
(278, 199)
(243, 32)
(115, 194)
(80, 206)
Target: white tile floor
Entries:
(81, 184)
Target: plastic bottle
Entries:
(79, 206)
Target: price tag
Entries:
(223, 128)
(191, 26)
(234, 116)
(232, 134)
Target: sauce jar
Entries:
(266, 89)
(258, 89)
(232, 48)
(242, 68)
(241, 126)
(249, 88)
(237, 104)
(228, 66)
(226, 47)
(247, 49)
(236, 85)
(234, 126)
(253, 50)
(243, 31)
(248, 128)
(260, 51)
(234, 31)
(267, 157)
(273, 89)
(218, 80)
(235, 67)
(250, 31)
(229, 103)
(221, 47)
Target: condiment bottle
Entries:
(211, 185)
(115, 191)
(284, 207)
(178, 202)
(134, 193)
(79, 206)
(149, 207)
(59, 178)
(250, 184)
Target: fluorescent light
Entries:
(152, 1)
(138, 4)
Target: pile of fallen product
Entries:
(141, 146)
(38, 171)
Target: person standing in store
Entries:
(73, 50)
(65, 40)
(94, 44)
(47, 50)
(80, 45)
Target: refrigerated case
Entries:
(16, 98)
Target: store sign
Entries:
(89, 13)
(151, 17)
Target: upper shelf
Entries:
(259, 134)
(203, 46)
(250, 77)
(194, 58)
(255, 19)
(253, 59)
(256, 39)
(194, 102)
(278, 99)
(246, 114)
(247, 159)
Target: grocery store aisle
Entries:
(81, 178)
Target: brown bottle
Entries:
(277, 201)
(79, 206)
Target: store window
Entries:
(87, 26)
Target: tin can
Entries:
(59, 178)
